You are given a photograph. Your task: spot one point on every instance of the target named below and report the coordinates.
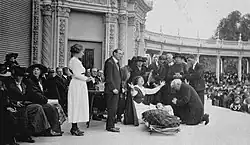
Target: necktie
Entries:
(118, 66)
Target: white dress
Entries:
(78, 100)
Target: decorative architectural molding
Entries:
(62, 28)
(123, 18)
(99, 2)
(47, 9)
(63, 11)
(35, 31)
(111, 18)
(132, 21)
(111, 38)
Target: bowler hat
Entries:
(19, 71)
(40, 66)
(9, 55)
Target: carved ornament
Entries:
(99, 2)
(62, 28)
(47, 9)
(111, 18)
(123, 18)
(35, 30)
(63, 11)
(111, 38)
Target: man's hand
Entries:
(19, 104)
(13, 110)
(115, 91)
(131, 86)
(174, 100)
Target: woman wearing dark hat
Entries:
(10, 60)
(7, 119)
(138, 69)
(36, 116)
(36, 94)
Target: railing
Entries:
(176, 40)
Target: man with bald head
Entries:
(188, 104)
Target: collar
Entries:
(171, 63)
(116, 61)
(195, 64)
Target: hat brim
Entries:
(40, 66)
(7, 74)
(15, 55)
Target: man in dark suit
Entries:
(195, 76)
(188, 103)
(112, 87)
(61, 85)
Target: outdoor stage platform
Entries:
(225, 128)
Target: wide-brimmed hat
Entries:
(3, 71)
(19, 71)
(9, 55)
(139, 58)
(40, 66)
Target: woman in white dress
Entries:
(78, 101)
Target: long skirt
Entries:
(62, 116)
(37, 118)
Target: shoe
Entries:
(113, 130)
(95, 117)
(52, 133)
(26, 139)
(206, 118)
(76, 132)
(117, 128)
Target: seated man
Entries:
(188, 103)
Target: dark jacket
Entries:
(189, 104)
(112, 76)
(196, 77)
(34, 92)
(15, 93)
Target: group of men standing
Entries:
(164, 68)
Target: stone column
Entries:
(46, 34)
(239, 68)
(62, 35)
(198, 57)
(221, 65)
(247, 65)
(142, 49)
(122, 43)
(131, 36)
(218, 68)
(35, 55)
(110, 31)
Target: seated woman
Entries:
(36, 94)
(138, 93)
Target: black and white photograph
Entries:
(124, 72)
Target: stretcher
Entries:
(162, 130)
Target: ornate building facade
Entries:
(100, 25)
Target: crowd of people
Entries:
(229, 92)
(37, 100)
